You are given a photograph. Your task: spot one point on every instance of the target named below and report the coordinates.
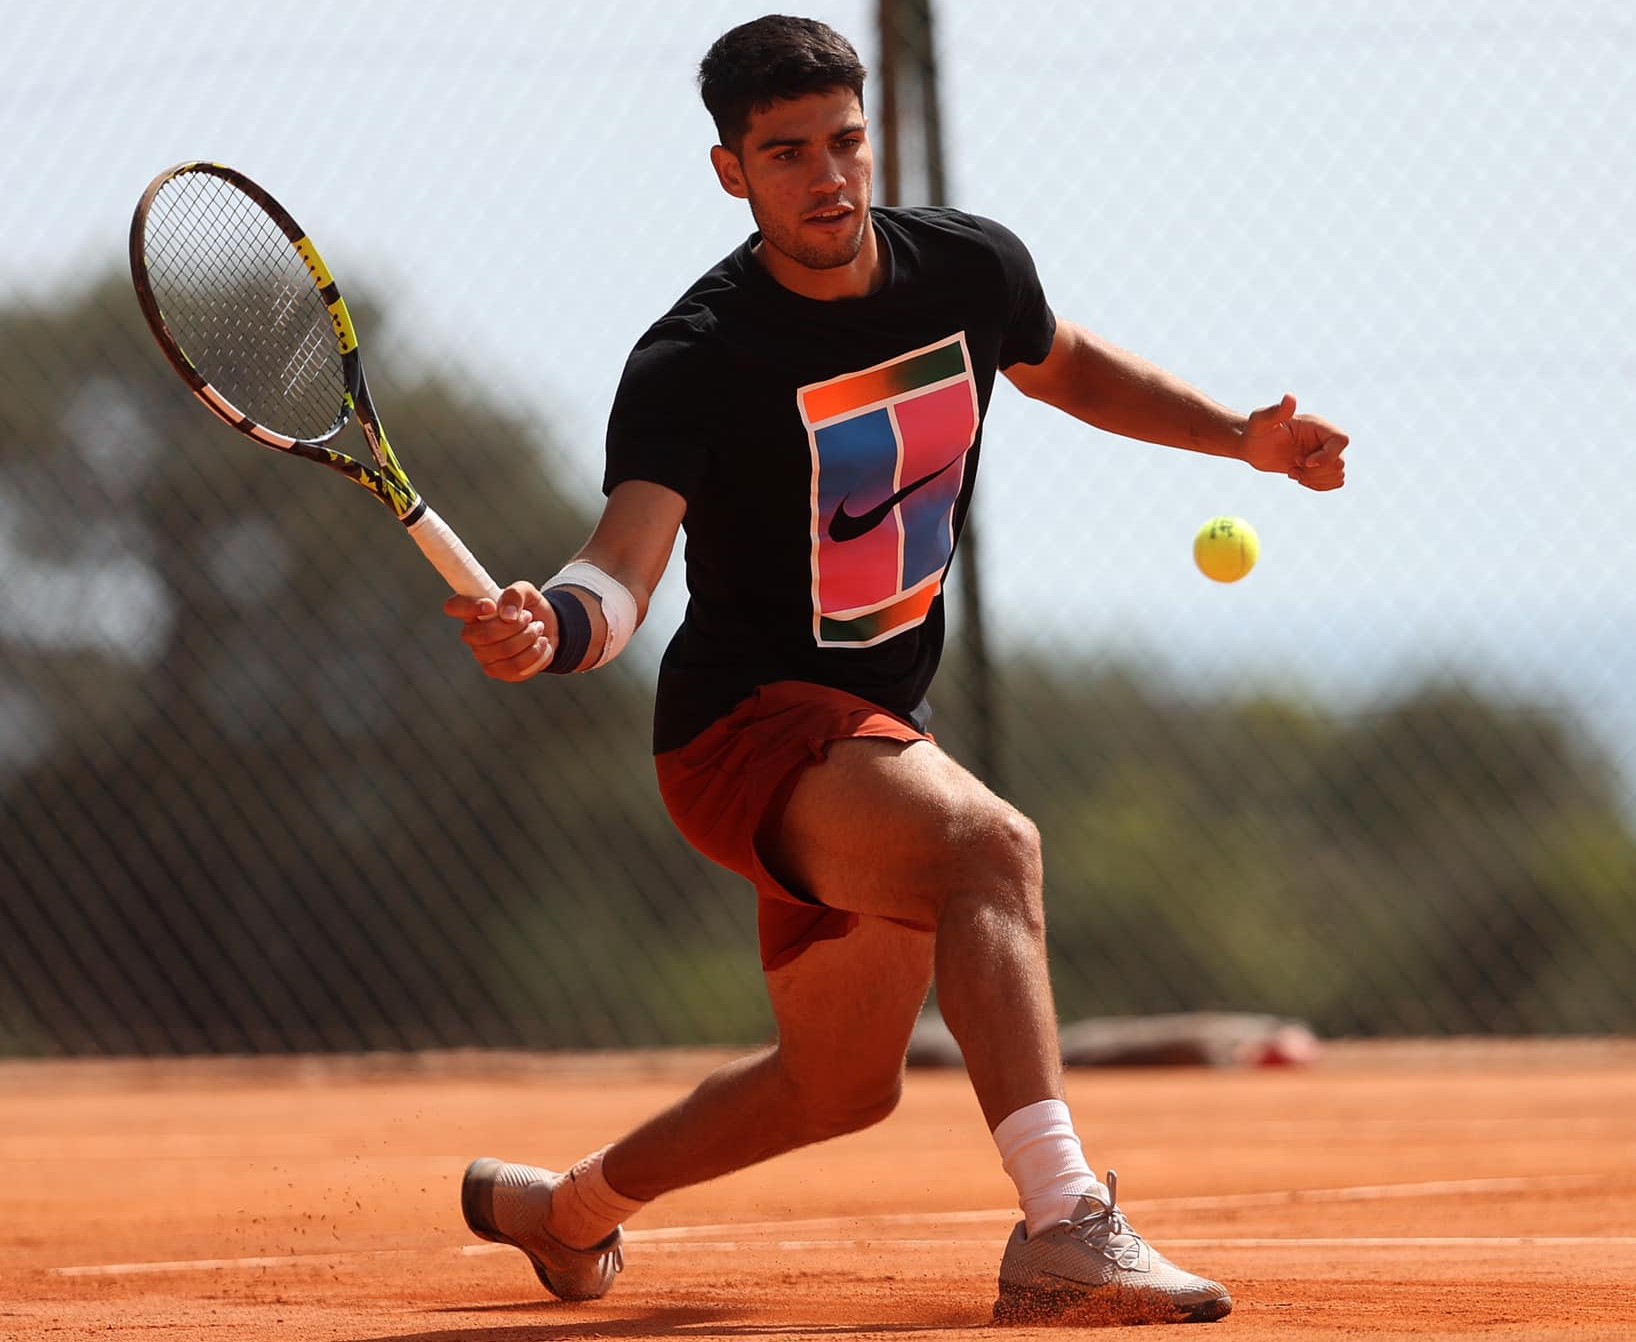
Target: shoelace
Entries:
(1100, 1228)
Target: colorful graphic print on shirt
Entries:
(889, 448)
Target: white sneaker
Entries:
(509, 1204)
(1093, 1269)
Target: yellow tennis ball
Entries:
(1226, 548)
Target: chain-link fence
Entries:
(254, 796)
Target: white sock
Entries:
(1042, 1153)
(586, 1207)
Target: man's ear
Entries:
(729, 171)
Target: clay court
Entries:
(1390, 1191)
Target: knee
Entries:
(1018, 850)
(843, 1106)
(1000, 862)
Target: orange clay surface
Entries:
(1389, 1191)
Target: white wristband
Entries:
(618, 606)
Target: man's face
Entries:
(806, 168)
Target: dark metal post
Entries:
(909, 103)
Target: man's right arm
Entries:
(515, 637)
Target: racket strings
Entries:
(243, 307)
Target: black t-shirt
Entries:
(827, 452)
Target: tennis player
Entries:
(810, 413)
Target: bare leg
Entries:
(905, 832)
(889, 831)
(845, 1011)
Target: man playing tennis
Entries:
(810, 412)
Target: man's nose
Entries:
(828, 175)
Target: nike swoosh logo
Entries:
(845, 526)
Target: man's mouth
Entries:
(830, 214)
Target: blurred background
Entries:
(254, 795)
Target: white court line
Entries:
(878, 1242)
(752, 1234)
(1282, 1198)
(1417, 1242)
(228, 1264)
(1375, 1192)
(1243, 1242)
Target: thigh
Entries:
(846, 1009)
(890, 829)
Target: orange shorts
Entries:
(727, 788)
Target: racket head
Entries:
(248, 314)
(243, 306)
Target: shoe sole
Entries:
(477, 1200)
(1102, 1307)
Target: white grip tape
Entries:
(450, 557)
(618, 606)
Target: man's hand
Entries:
(1303, 447)
(514, 637)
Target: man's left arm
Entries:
(1120, 392)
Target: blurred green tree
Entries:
(257, 795)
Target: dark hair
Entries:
(768, 60)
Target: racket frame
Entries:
(386, 479)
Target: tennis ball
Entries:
(1226, 548)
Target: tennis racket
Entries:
(247, 312)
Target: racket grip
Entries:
(450, 557)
